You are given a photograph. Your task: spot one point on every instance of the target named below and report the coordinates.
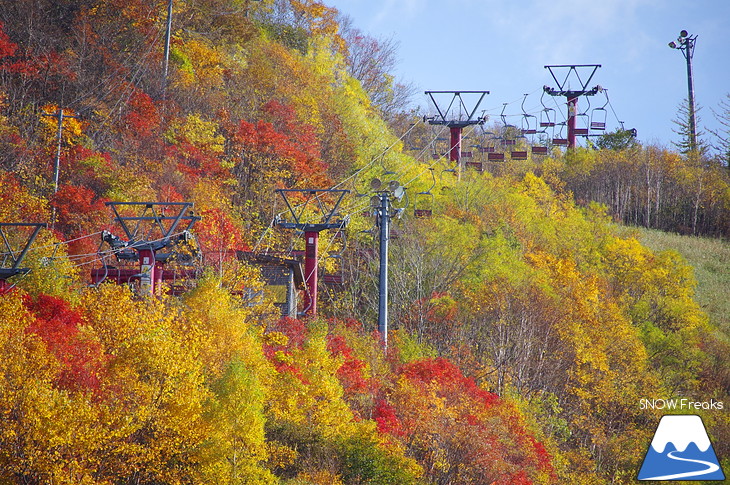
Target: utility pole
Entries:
(686, 44)
(168, 33)
(59, 115)
(381, 204)
(456, 116)
(383, 221)
(572, 95)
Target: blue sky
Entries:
(503, 46)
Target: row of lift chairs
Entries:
(544, 127)
(495, 145)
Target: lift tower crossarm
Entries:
(572, 68)
(454, 122)
(158, 219)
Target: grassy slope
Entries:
(710, 259)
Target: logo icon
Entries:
(680, 450)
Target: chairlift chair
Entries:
(598, 119)
(518, 155)
(529, 122)
(547, 115)
(424, 202)
(495, 157)
(583, 121)
(547, 118)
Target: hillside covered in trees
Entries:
(527, 325)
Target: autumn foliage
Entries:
(525, 324)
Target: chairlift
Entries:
(598, 116)
(582, 119)
(385, 169)
(423, 205)
(504, 117)
(495, 157)
(547, 118)
(539, 150)
(342, 237)
(560, 141)
(547, 115)
(337, 277)
(508, 141)
(529, 122)
(519, 155)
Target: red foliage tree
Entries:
(79, 212)
(57, 324)
(351, 372)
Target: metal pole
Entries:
(57, 164)
(147, 272)
(688, 52)
(384, 218)
(310, 272)
(455, 148)
(168, 33)
(572, 111)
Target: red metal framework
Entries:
(456, 116)
(149, 228)
(572, 95)
(315, 212)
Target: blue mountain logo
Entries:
(681, 450)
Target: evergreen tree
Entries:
(723, 134)
(684, 130)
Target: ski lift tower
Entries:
(572, 95)
(11, 259)
(456, 116)
(149, 227)
(315, 213)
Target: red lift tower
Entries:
(456, 116)
(314, 210)
(15, 250)
(572, 95)
(149, 227)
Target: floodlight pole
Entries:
(686, 44)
